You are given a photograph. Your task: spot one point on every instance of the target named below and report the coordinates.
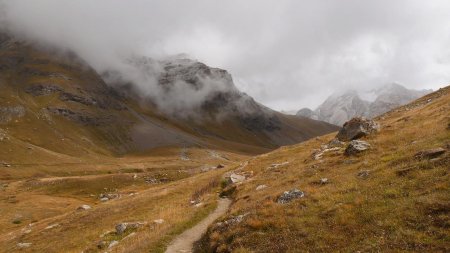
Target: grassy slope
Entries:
(402, 206)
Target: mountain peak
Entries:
(342, 106)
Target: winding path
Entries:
(184, 242)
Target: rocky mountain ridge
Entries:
(338, 108)
(81, 111)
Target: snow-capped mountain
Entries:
(338, 108)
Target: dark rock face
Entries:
(65, 96)
(260, 122)
(357, 128)
(430, 153)
(42, 89)
(356, 147)
(108, 100)
(78, 117)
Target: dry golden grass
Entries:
(81, 230)
(402, 206)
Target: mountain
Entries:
(338, 108)
(54, 102)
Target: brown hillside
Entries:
(390, 198)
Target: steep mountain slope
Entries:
(385, 199)
(55, 106)
(339, 108)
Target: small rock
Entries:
(198, 204)
(152, 180)
(27, 231)
(52, 226)
(324, 181)
(336, 143)
(220, 166)
(261, 187)
(112, 244)
(158, 221)
(104, 199)
(357, 128)
(109, 196)
(23, 245)
(276, 165)
(355, 147)
(232, 221)
(363, 174)
(122, 227)
(288, 196)
(317, 154)
(236, 178)
(430, 153)
(101, 244)
(84, 207)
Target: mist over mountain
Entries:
(289, 55)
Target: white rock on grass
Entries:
(158, 221)
(112, 244)
(23, 245)
(84, 207)
(52, 226)
(356, 147)
(261, 187)
(235, 178)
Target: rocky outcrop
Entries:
(42, 89)
(65, 96)
(126, 226)
(429, 154)
(357, 128)
(9, 113)
(356, 147)
(79, 117)
(288, 196)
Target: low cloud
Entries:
(287, 54)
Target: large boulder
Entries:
(357, 128)
(355, 147)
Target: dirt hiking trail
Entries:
(184, 242)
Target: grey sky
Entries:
(287, 54)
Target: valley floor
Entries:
(167, 194)
(382, 200)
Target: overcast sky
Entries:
(287, 54)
